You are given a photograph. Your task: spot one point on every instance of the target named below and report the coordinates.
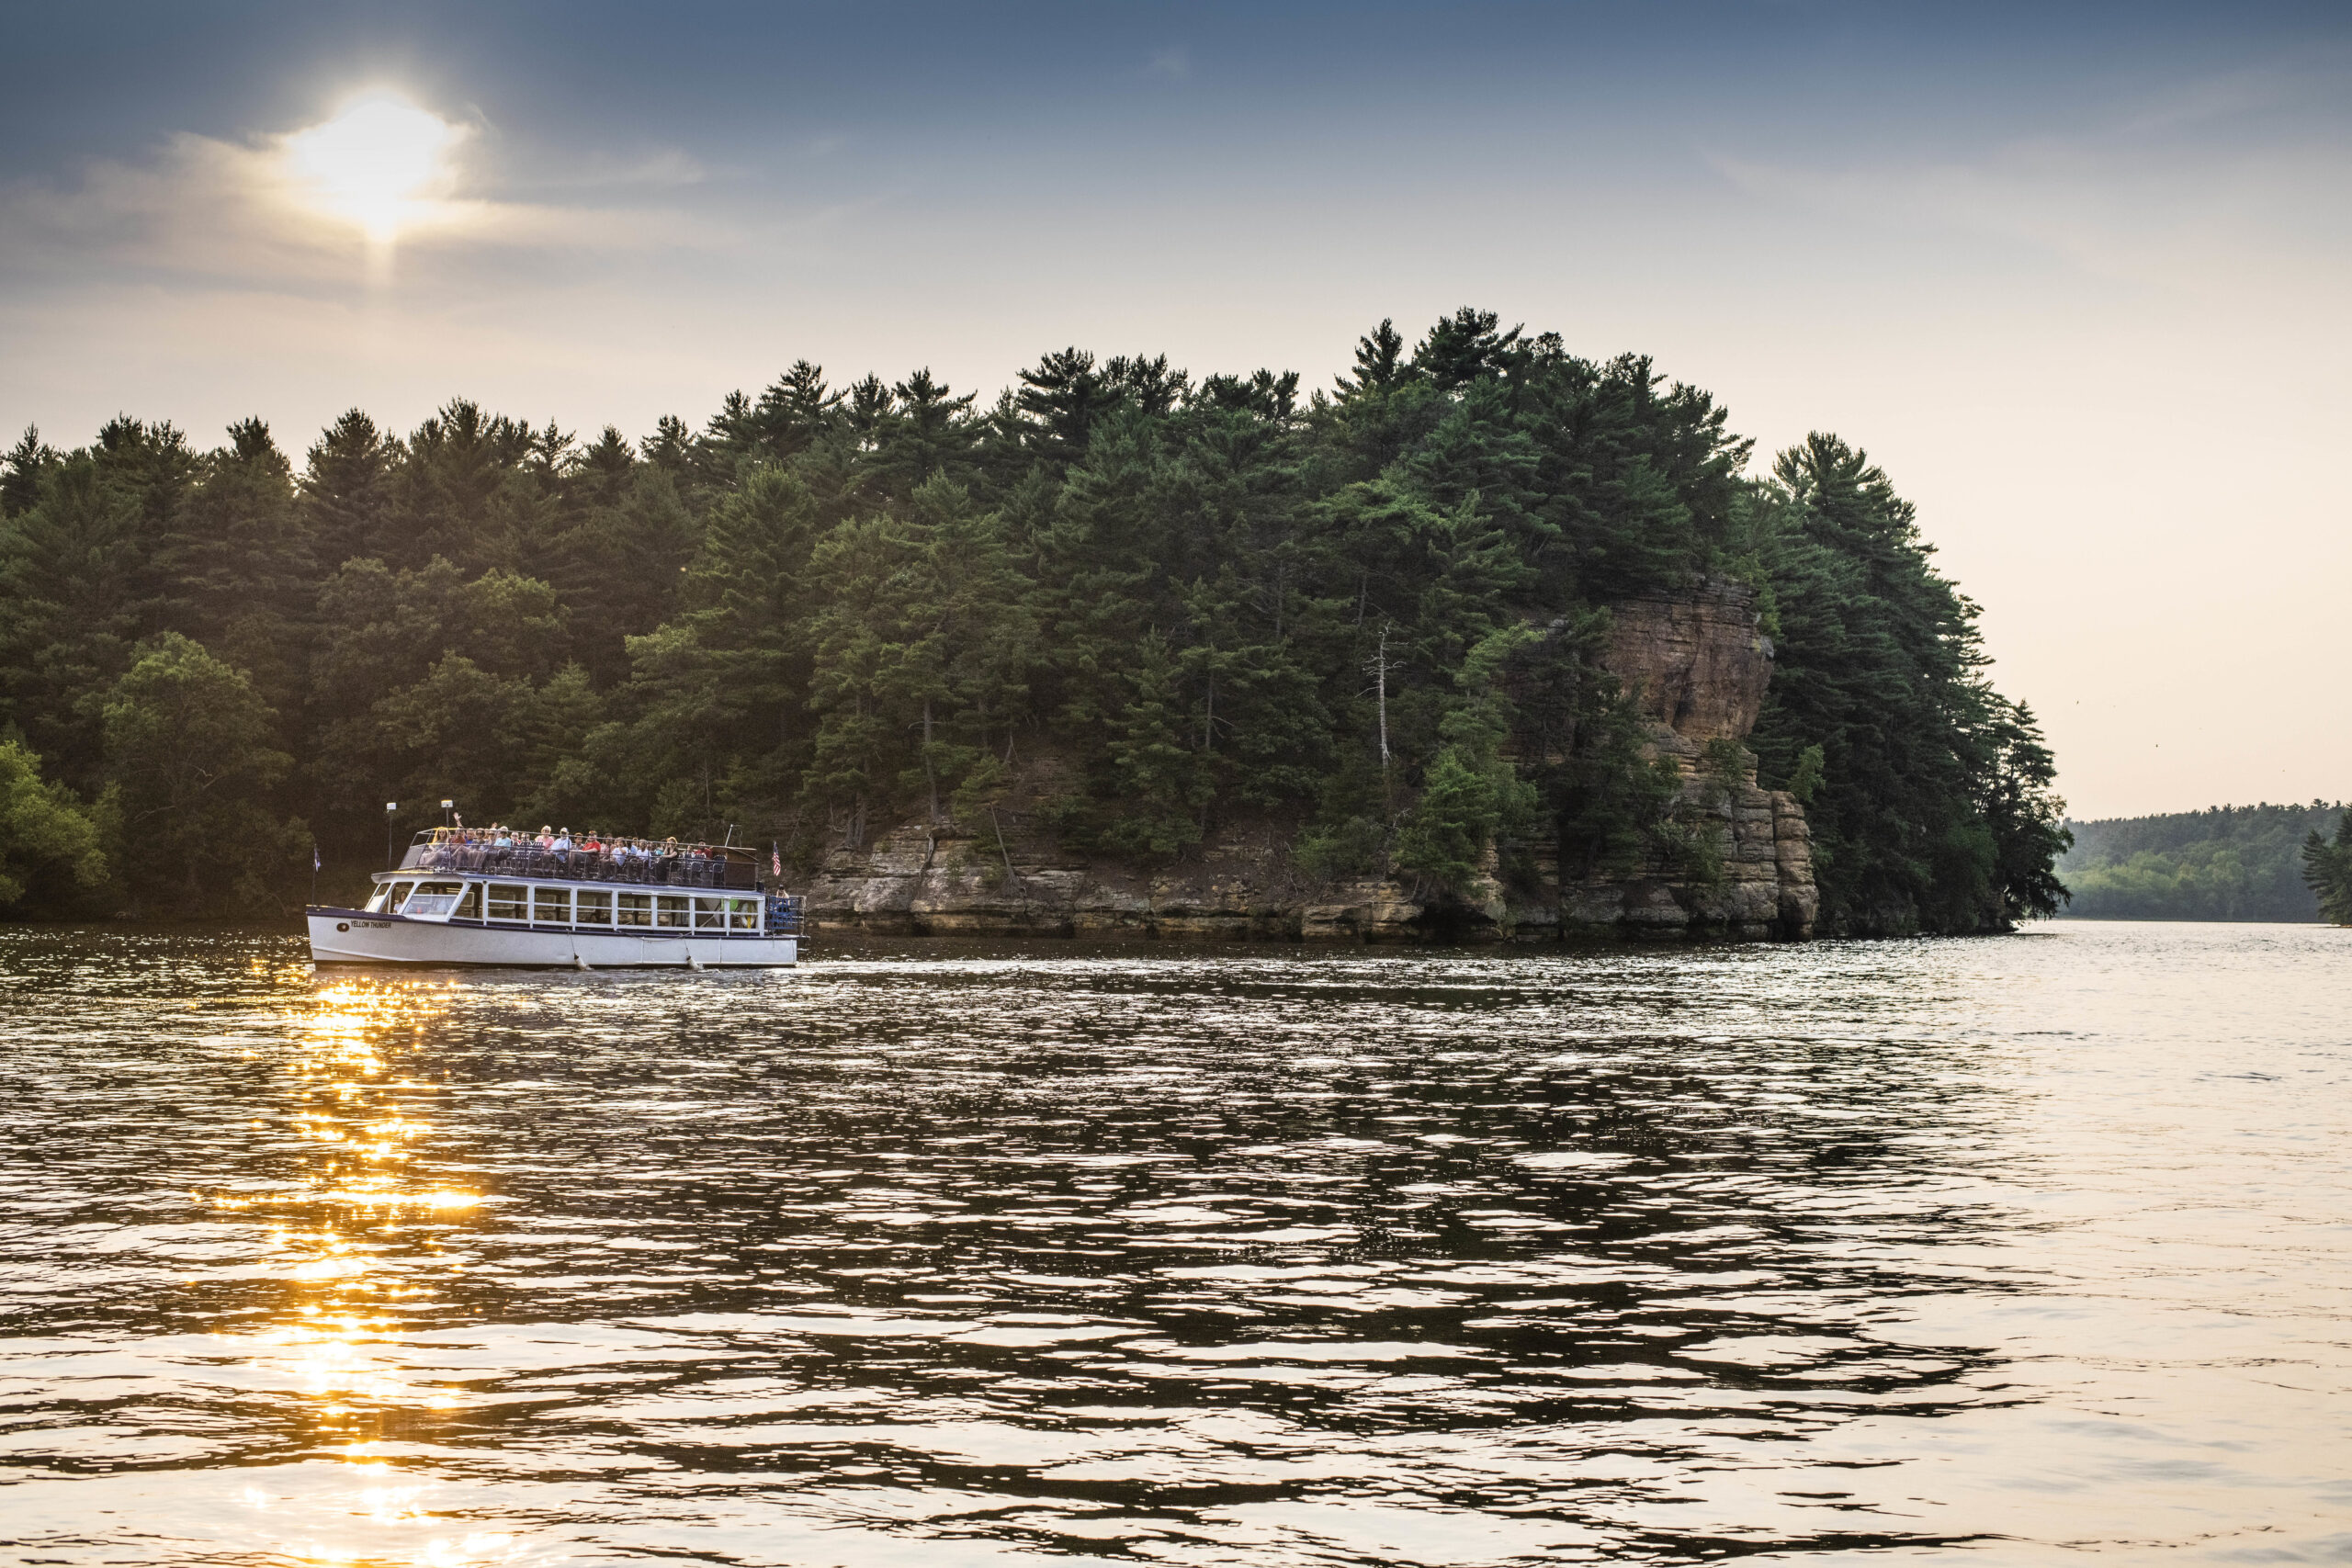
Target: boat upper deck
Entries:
(689, 865)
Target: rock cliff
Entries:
(1695, 664)
(1696, 667)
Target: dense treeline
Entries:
(1140, 602)
(2227, 863)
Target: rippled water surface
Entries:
(2027, 1248)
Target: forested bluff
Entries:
(1134, 616)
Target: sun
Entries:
(374, 163)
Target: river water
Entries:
(2020, 1249)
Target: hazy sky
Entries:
(2078, 276)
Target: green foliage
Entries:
(80, 580)
(188, 747)
(1615, 804)
(1447, 832)
(1725, 763)
(1930, 796)
(2327, 868)
(1353, 846)
(1805, 779)
(50, 842)
(2246, 863)
(1471, 792)
(1119, 602)
(923, 643)
(1692, 850)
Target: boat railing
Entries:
(583, 865)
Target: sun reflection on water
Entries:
(359, 1237)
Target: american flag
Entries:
(775, 862)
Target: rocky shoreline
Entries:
(1697, 666)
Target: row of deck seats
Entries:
(580, 865)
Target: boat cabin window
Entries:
(551, 905)
(381, 898)
(636, 909)
(710, 914)
(432, 898)
(469, 907)
(670, 910)
(506, 901)
(743, 914)
(392, 896)
(593, 906)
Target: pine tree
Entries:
(24, 465)
(241, 558)
(605, 469)
(1462, 348)
(932, 436)
(867, 410)
(1379, 356)
(670, 447)
(721, 690)
(457, 464)
(793, 412)
(77, 588)
(2327, 871)
(621, 566)
(346, 491)
(1061, 400)
(1934, 810)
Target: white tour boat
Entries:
(454, 901)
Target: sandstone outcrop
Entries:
(1696, 665)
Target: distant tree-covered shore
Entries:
(1144, 602)
(2227, 863)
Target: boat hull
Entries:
(355, 936)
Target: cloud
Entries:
(665, 169)
(1174, 62)
(219, 212)
(2228, 187)
(2233, 95)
